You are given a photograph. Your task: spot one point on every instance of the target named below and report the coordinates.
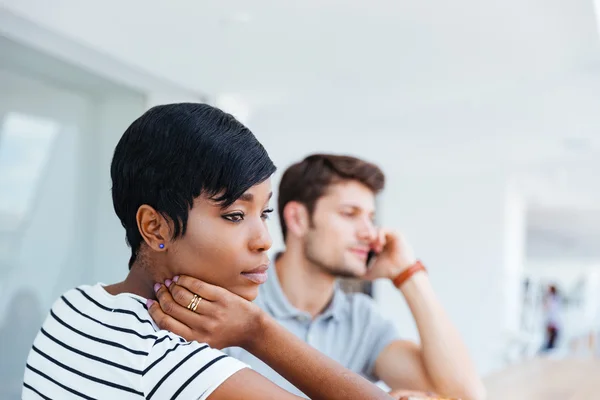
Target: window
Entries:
(25, 146)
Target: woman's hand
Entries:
(410, 395)
(221, 318)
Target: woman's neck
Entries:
(139, 281)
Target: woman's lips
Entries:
(257, 275)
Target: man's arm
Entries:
(441, 363)
(317, 375)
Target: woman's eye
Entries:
(234, 217)
(266, 213)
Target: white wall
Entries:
(515, 218)
(457, 226)
(566, 273)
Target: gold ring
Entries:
(196, 305)
(192, 303)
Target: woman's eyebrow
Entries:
(249, 197)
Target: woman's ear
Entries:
(153, 227)
(296, 218)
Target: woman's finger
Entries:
(186, 299)
(202, 289)
(174, 309)
(168, 323)
(166, 301)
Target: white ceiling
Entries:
(452, 71)
(386, 53)
(468, 83)
(502, 81)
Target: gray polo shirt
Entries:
(351, 330)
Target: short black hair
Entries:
(174, 153)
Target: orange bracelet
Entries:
(408, 273)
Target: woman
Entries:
(191, 186)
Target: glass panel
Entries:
(25, 145)
(39, 159)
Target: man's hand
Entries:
(221, 319)
(394, 255)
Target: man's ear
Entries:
(153, 227)
(297, 218)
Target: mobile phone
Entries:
(370, 257)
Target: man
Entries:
(327, 206)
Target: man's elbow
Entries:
(474, 391)
(464, 389)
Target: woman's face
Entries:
(226, 247)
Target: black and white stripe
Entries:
(95, 346)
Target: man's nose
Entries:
(367, 230)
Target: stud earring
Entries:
(162, 245)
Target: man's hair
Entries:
(174, 153)
(309, 179)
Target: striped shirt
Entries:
(94, 345)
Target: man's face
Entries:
(342, 229)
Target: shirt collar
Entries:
(280, 307)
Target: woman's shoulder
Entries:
(92, 303)
(97, 295)
(199, 368)
(73, 295)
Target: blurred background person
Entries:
(327, 210)
(553, 318)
